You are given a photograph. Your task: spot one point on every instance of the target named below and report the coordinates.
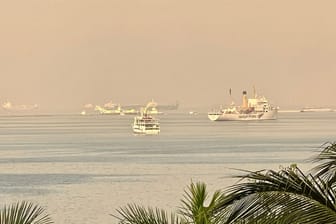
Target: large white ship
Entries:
(257, 108)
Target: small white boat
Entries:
(146, 124)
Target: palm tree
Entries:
(24, 213)
(285, 196)
(192, 211)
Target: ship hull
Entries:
(142, 130)
(271, 115)
(145, 132)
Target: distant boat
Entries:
(316, 109)
(104, 111)
(18, 108)
(145, 123)
(257, 108)
(154, 111)
(193, 112)
(151, 108)
(130, 111)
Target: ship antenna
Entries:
(254, 92)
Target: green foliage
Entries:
(24, 213)
(193, 210)
(271, 196)
(327, 169)
(193, 205)
(134, 214)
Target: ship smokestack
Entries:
(245, 101)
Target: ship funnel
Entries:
(245, 101)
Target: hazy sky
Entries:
(62, 54)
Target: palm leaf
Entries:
(279, 207)
(193, 207)
(24, 213)
(134, 214)
(327, 169)
(193, 210)
(273, 195)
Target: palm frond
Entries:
(327, 169)
(247, 200)
(194, 208)
(134, 214)
(279, 207)
(24, 213)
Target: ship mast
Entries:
(230, 93)
(254, 92)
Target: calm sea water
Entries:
(31, 146)
(183, 138)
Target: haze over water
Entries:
(63, 54)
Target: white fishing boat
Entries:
(257, 108)
(145, 123)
